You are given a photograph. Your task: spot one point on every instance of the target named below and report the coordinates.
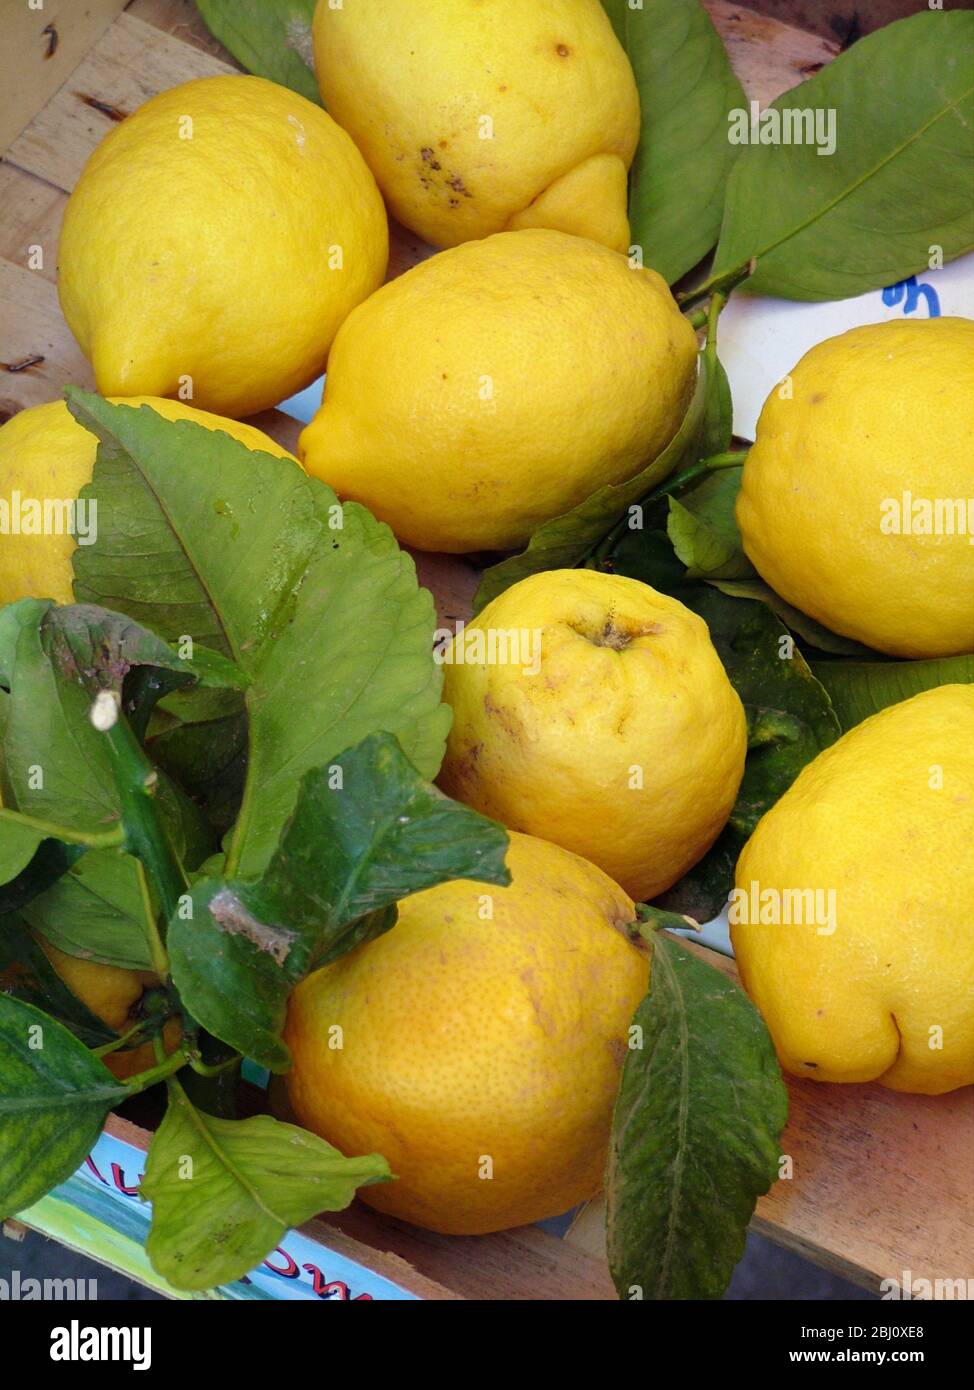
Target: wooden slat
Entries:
(131, 62)
(40, 48)
(30, 215)
(31, 326)
(769, 57)
(883, 1182)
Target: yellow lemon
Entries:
(594, 711)
(112, 994)
(497, 385)
(479, 1044)
(478, 116)
(219, 236)
(856, 503)
(46, 456)
(851, 917)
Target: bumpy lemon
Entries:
(852, 920)
(478, 1044)
(856, 503)
(112, 995)
(476, 116)
(45, 455)
(497, 385)
(219, 235)
(594, 711)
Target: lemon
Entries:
(478, 117)
(45, 455)
(594, 711)
(869, 975)
(856, 504)
(112, 994)
(215, 241)
(497, 385)
(478, 1044)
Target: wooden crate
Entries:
(882, 1182)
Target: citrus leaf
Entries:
(366, 831)
(19, 843)
(810, 631)
(360, 644)
(828, 226)
(95, 910)
(271, 38)
(696, 1133)
(248, 556)
(686, 89)
(703, 529)
(859, 689)
(27, 974)
(369, 831)
(566, 540)
(51, 860)
(54, 1096)
(224, 1192)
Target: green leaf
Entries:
(366, 832)
(271, 38)
(224, 1192)
(859, 689)
(829, 226)
(95, 910)
(51, 860)
(54, 1096)
(566, 540)
(704, 531)
(380, 836)
(250, 557)
(686, 88)
(27, 974)
(58, 765)
(18, 844)
(360, 645)
(810, 631)
(696, 1133)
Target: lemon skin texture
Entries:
(876, 412)
(499, 384)
(216, 257)
(469, 1040)
(480, 115)
(625, 743)
(112, 995)
(885, 818)
(45, 453)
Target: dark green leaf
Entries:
(858, 689)
(696, 1133)
(224, 1192)
(95, 910)
(54, 1096)
(828, 226)
(810, 631)
(686, 88)
(366, 831)
(271, 38)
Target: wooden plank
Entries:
(31, 326)
(41, 47)
(131, 62)
(30, 216)
(883, 1181)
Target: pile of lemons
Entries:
(229, 241)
